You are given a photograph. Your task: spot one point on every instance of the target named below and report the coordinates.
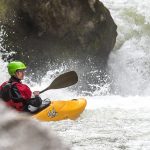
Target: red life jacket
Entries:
(24, 93)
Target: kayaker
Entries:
(15, 93)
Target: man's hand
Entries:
(36, 93)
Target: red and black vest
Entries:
(19, 101)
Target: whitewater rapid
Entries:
(108, 123)
(120, 120)
(129, 63)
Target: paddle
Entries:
(62, 81)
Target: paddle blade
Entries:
(62, 81)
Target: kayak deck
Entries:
(61, 110)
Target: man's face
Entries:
(20, 74)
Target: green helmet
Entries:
(14, 66)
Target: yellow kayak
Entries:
(61, 110)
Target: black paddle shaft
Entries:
(62, 81)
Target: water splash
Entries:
(129, 62)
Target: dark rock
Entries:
(50, 31)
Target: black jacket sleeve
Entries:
(36, 102)
(16, 97)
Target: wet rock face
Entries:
(62, 17)
(20, 132)
(82, 22)
(47, 30)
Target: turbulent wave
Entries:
(129, 63)
(109, 122)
